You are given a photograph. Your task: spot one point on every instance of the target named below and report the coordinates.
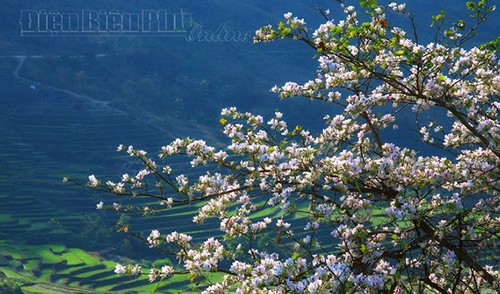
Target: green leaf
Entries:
(399, 52)
(439, 16)
(492, 45)
(364, 249)
(372, 4)
(470, 5)
(335, 30)
(283, 29)
(357, 186)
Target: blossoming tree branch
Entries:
(347, 209)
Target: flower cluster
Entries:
(206, 257)
(162, 273)
(128, 270)
(346, 209)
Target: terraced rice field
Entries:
(57, 269)
(45, 135)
